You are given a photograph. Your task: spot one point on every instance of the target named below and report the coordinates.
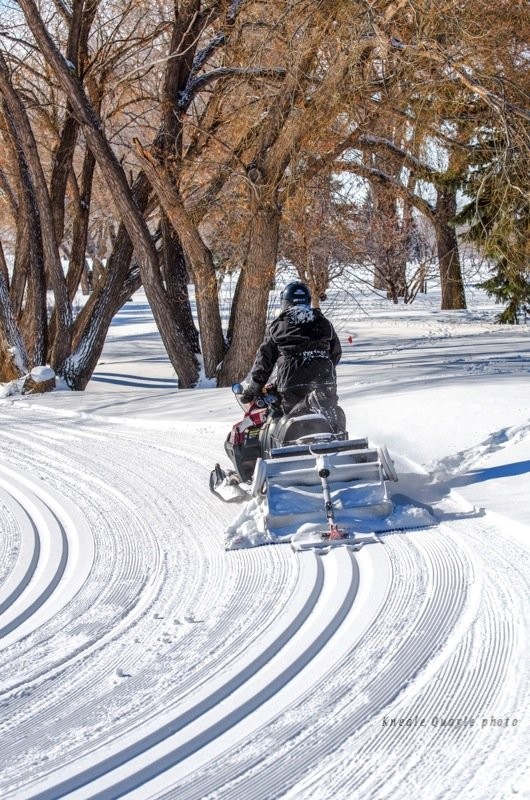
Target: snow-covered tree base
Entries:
(39, 380)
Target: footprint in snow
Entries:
(121, 673)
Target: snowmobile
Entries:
(302, 467)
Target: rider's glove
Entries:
(249, 394)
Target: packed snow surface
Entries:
(140, 659)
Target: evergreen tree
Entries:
(498, 220)
(510, 287)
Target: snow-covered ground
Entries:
(140, 659)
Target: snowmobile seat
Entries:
(319, 447)
(291, 428)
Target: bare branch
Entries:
(382, 178)
(492, 99)
(420, 169)
(198, 84)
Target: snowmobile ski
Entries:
(226, 485)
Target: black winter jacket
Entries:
(301, 342)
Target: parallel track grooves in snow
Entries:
(396, 667)
(172, 669)
(54, 545)
(18, 573)
(465, 677)
(235, 693)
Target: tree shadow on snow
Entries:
(134, 381)
(491, 473)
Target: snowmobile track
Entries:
(144, 661)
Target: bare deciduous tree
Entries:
(160, 145)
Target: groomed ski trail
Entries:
(139, 659)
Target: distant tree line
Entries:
(165, 144)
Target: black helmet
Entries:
(295, 294)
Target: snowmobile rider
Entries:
(303, 345)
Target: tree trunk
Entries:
(114, 287)
(33, 322)
(94, 319)
(62, 163)
(180, 236)
(13, 355)
(388, 256)
(199, 258)
(25, 140)
(28, 288)
(183, 361)
(77, 266)
(452, 286)
(379, 278)
(252, 296)
(21, 263)
(176, 278)
(80, 20)
(3, 267)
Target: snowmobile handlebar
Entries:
(268, 397)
